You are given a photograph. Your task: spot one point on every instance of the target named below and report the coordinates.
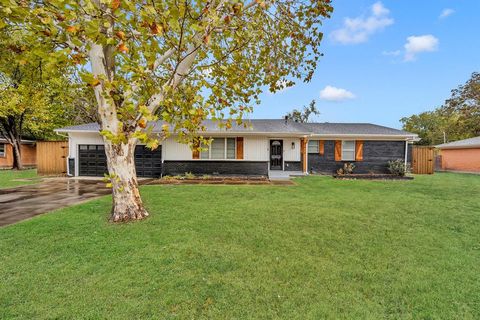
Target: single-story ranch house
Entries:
(262, 147)
(461, 155)
(28, 153)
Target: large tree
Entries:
(304, 114)
(458, 118)
(185, 60)
(33, 100)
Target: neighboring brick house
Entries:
(461, 155)
(260, 148)
(28, 153)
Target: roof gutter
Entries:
(412, 138)
(367, 136)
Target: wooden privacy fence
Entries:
(52, 157)
(422, 160)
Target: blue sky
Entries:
(386, 60)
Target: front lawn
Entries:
(322, 249)
(15, 178)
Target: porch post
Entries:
(303, 154)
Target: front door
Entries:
(276, 154)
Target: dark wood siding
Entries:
(199, 167)
(376, 155)
(293, 166)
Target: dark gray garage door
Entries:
(93, 162)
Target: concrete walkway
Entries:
(283, 175)
(24, 202)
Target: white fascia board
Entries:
(244, 134)
(366, 137)
(215, 133)
(76, 131)
(283, 135)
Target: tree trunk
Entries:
(127, 203)
(17, 155)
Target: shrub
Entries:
(398, 168)
(189, 175)
(347, 169)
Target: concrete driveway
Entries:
(24, 202)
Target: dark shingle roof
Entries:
(87, 127)
(255, 125)
(461, 144)
(277, 126)
(353, 128)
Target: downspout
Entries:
(164, 152)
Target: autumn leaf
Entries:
(206, 39)
(95, 82)
(60, 17)
(155, 28)
(72, 29)
(120, 35)
(261, 3)
(122, 48)
(116, 4)
(142, 123)
(237, 8)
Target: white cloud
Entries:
(418, 44)
(379, 10)
(331, 93)
(446, 12)
(359, 29)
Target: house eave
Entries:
(412, 138)
(473, 146)
(284, 135)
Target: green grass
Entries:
(8, 177)
(321, 249)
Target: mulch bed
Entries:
(219, 180)
(369, 176)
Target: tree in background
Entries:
(33, 100)
(458, 118)
(464, 108)
(431, 126)
(185, 60)
(304, 114)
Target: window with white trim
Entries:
(313, 146)
(219, 149)
(2, 150)
(348, 150)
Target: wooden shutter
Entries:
(358, 150)
(239, 148)
(321, 147)
(195, 150)
(338, 150)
